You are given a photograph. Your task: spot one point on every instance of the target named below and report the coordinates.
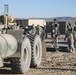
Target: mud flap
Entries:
(1, 61)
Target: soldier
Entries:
(69, 36)
(75, 35)
(75, 27)
(55, 33)
(69, 25)
(17, 27)
(37, 29)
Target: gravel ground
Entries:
(57, 63)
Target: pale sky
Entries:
(40, 8)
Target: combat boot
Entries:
(71, 50)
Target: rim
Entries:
(37, 51)
(25, 55)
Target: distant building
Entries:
(22, 22)
(75, 22)
(28, 22)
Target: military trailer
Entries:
(19, 45)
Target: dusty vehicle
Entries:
(21, 46)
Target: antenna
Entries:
(6, 15)
(6, 8)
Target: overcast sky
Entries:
(40, 8)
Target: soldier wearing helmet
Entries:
(69, 36)
(55, 33)
(75, 35)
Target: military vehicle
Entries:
(20, 45)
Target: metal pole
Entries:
(6, 8)
(5, 15)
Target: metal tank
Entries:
(8, 45)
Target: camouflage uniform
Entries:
(70, 39)
(55, 33)
(75, 36)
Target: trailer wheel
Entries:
(36, 54)
(21, 65)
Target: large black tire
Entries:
(21, 65)
(36, 54)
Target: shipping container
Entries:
(22, 22)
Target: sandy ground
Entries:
(57, 63)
